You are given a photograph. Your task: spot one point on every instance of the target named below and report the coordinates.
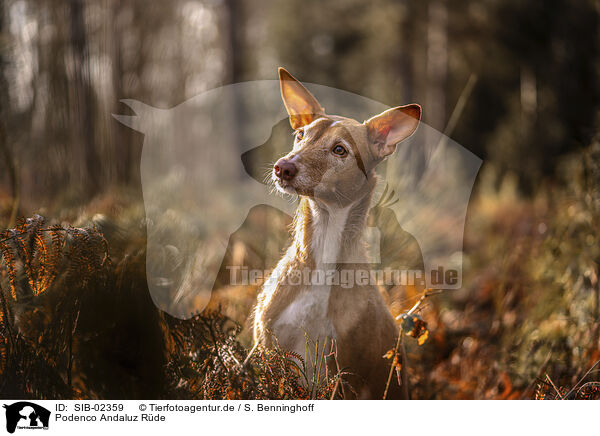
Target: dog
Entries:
(331, 168)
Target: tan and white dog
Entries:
(331, 167)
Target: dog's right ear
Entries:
(300, 104)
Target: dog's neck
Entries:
(332, 233)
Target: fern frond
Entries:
(9, 261)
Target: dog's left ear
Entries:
(391, 127)
(300, 104)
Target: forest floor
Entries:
(524, 325)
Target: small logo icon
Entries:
(26, 415)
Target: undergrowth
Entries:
(77, 320)
(75, 325)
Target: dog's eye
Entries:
(339, 150)
(299, 134)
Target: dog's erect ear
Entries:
(391, 127)
(300, 104)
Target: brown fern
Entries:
(34, 255)
(38, 253)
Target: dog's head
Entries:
(333, 157)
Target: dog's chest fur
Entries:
(308, 308)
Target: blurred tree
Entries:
(5, 113)
(121, 135)
(437, 64)
(538, 95)
(234, 23)
(84, 105)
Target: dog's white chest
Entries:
(305, 318)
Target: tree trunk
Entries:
(122, 148)
(83, 99)
(5, 148)
(437, 64)
(234, 65)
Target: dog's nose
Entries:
(285, 169)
